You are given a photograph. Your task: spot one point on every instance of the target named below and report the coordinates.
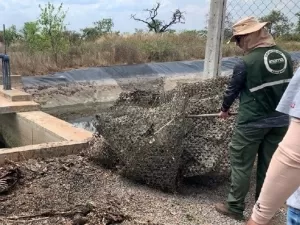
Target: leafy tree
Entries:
(32, 37)
(73, 37)
(279, 23)
(90, 33)
(104, 26)
(11, 35)
(52, 22)
(157, 25)
(100, 28)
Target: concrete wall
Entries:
(32, 128)
(18, 131)
(42, 151)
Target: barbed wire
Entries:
(284, 15)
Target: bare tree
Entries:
(156, 25)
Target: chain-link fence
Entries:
(283, 15)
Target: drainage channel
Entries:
(35, 134)
(86, 123)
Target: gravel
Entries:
(51, 188)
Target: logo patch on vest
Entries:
(275, 61)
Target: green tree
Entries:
(157, 25)
(73, 37)
(52, 22)
(11, 35)
(104, 26)
(90, 33)
(32, 37)
(279, 23)
(101, 27)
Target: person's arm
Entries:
(236, 84)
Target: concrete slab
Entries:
(42, 151)
(15, 95)
(17, 131)
(56, 126)
(37, 134)
(7, 106)
(16, 80)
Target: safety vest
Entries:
(269, 71)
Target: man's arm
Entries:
(236, 84)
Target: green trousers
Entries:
(246, 144)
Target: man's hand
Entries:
(224, 115)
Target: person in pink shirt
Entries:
(282, 180)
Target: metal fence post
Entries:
(215, 36)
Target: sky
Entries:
(82, 13)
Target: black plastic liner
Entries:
(113, 73)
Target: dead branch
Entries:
(177, 17)
(144, 21)
(83, 210)
(152, 22)
(153, 14)
(23, 221)
(46, 214)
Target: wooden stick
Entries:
(208, 115)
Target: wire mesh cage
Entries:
(152, 141)
(284, 16)
(144, 130)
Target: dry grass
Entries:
(112, 50)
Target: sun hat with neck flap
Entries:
(245, 26)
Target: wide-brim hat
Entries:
(245, 26)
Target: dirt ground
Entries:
(76, 190)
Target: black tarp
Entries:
(101, 74)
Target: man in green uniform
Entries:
(259, 79)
